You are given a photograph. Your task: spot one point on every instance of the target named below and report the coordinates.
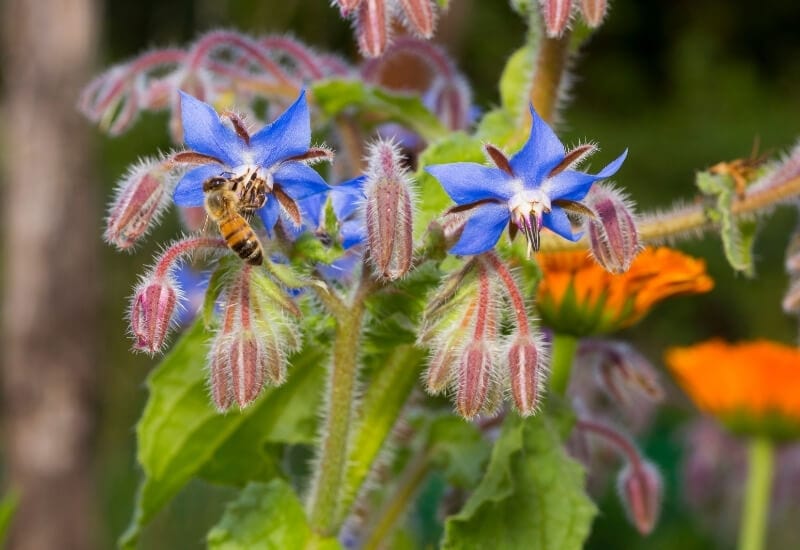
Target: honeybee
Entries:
(226, 200)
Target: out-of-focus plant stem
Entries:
(753, 527)
(550, 66)
(685, 221)
(564, 348)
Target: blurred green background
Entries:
(682, 83)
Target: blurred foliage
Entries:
(683, 84)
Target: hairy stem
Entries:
(552, 60)
(686, 221)
(332, 460)
(564, 348)
(389, 514)
(753, 527)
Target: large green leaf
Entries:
(458, 448)
(375, 105)
(532, 496)
(266, 517)
(8, 506)
(181, 435)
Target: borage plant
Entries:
(340, 275)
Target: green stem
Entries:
(564, 348)
(325, 497)
(392, 510)
(753, 527)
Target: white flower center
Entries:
(527, 208)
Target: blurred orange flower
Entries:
(577, 296)
(752, 387)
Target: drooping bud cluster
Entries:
(389, 211)
(557, 14)
(639, 483)
(253, 341)
(613, 236)
(461, 327)
(140, 199)
(373, 20)
(157, 296)
(621, 370)
(218, 64)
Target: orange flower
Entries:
(577, 296)
(752, 387)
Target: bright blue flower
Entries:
(531, 190)
(274, 155)
(345, 201)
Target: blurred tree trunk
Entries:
(50, 272)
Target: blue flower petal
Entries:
(346, 197)
(540, 155)
(573, 185)
(189, 191)
(269, 214)
(468, 182)
(287, 136)
(558, 222)
(353, 232)
(299, 180)
(204, 133)
(482, 230)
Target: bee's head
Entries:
(212, 184)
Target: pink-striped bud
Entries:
(152, 312)
(452, 100)
(524, 372)
(141, 197)
(389, 211)
(440, 368)
(639, 488)
(347, 6)
(556, 15)
(248, 367)
(372, 27)
(420, 17)
(613, 236)
(474, 379)
(219, 366)
(594, 11)
(621, 370)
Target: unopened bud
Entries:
(389, 211)
(372, 27)
(451, 100)
(347, 6)
(219, 368)
(441, 367)
(791, 300)
(141, 197)
(620, 369)
(525, 373)
(420, 17)
(474, 379)
(248, 366)
(152, 312)
(613, 236)
(640, 490)
(594, 11)
(556, 14)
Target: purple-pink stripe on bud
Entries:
(613, 235)
(152, 313)
(372, 27)
(389, 211)
(639, 486)
(594, 11)
(524, 373)
(420, 16)
(556, 15)
(474, 379)
(141, 197)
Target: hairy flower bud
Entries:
(141, 197)
(613, 235)
(594, 11)
(347, 6)
(219, 368)
(372, 27)
(556, 15)
(621, 369)
(419, 17)
(640, 487)
(152, 312)
(524, 371)
(474, 379)
(389, 211)
(440, 368)
(247, 367)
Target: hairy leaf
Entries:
(376, 105)
(265, 517)
(181, 435)
(532, 496)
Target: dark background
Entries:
(683, 84)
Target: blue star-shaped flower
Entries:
(345, 201)
(275, 157)
(531, 190)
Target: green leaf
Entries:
(181, 435)
(459, 449)
(532, 496)
(738, 236)
(266, 517)
(8, 507)
(375, 105)
(515, 81)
